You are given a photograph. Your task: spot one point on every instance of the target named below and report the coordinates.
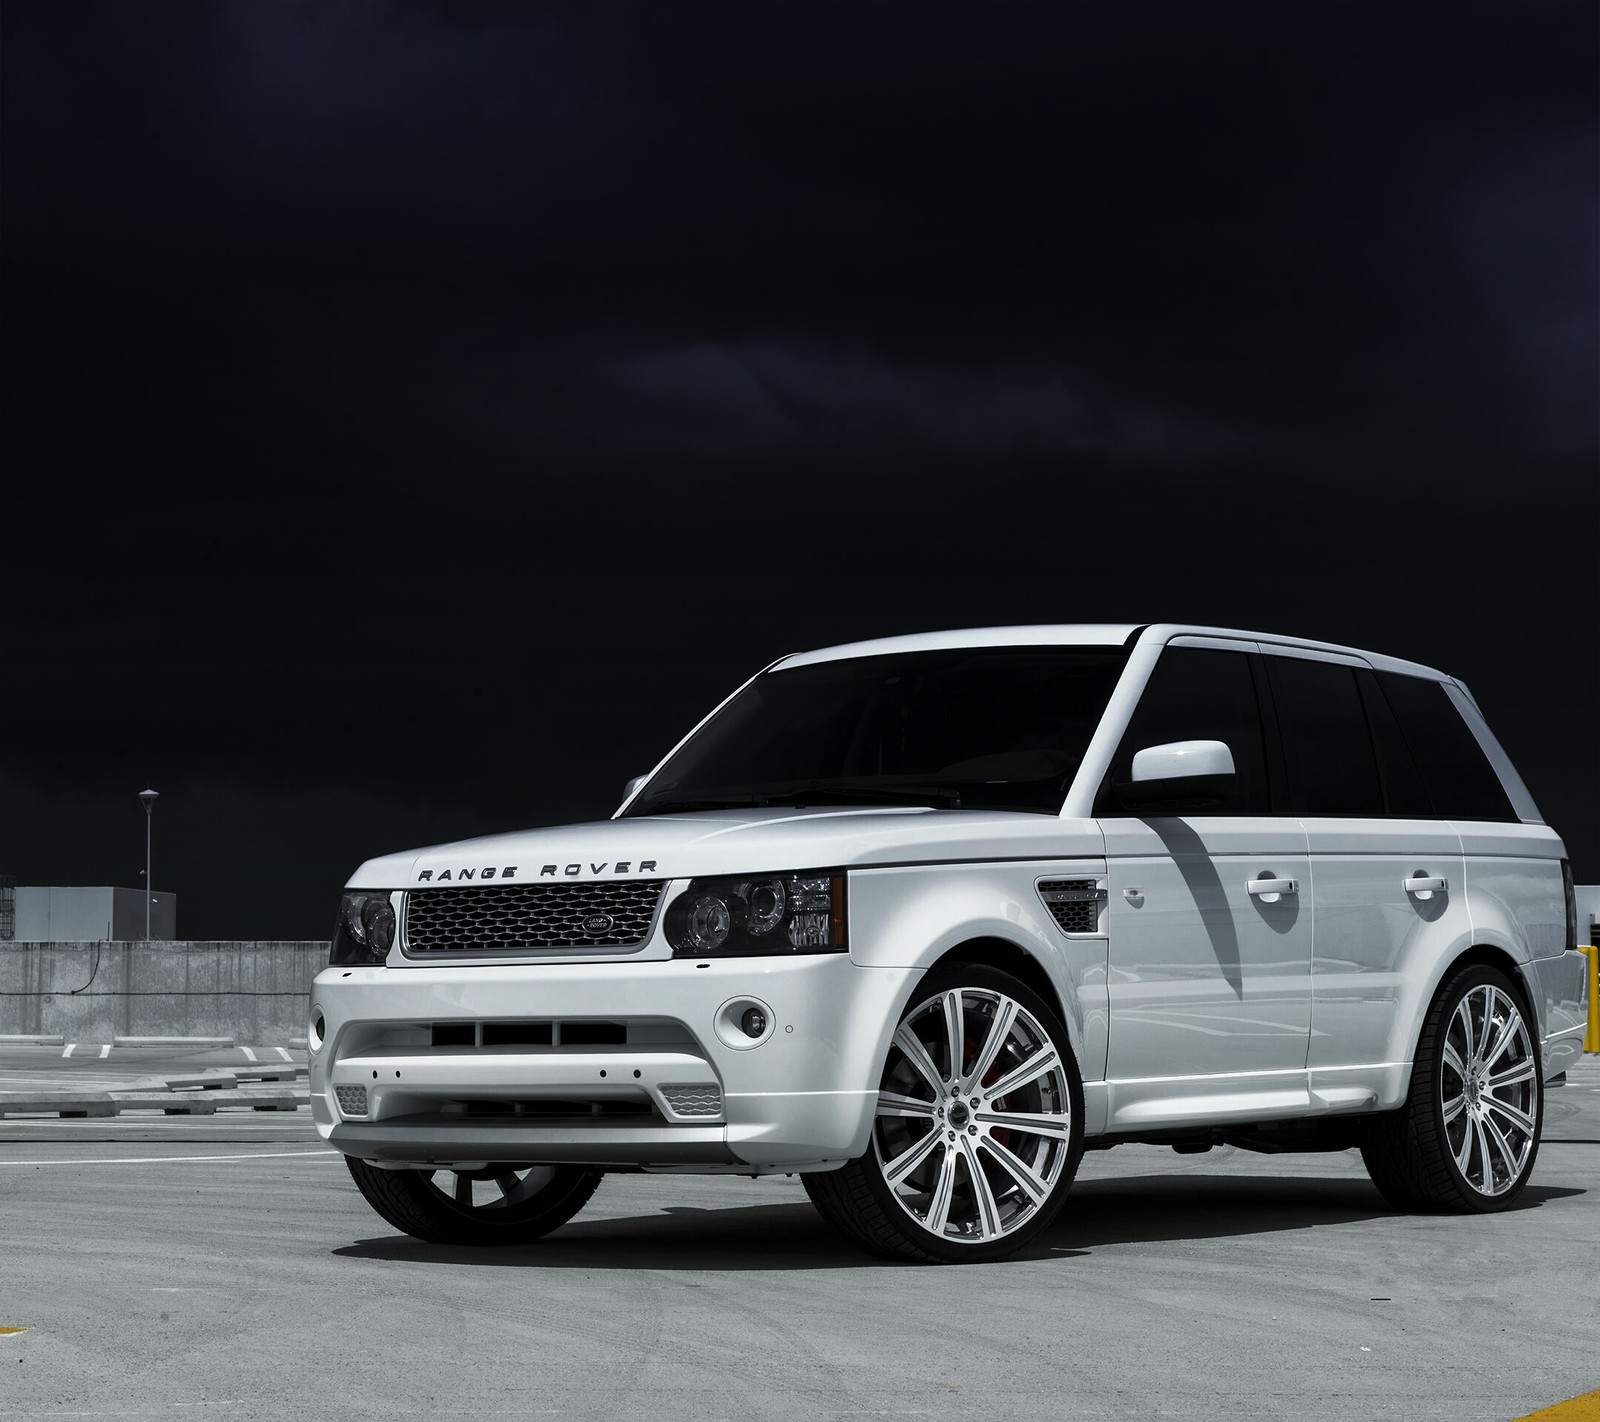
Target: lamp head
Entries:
(149, 797)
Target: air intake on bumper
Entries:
(693, 1100)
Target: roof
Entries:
(1087, 634)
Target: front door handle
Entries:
(1270, 888)
(1424, 884)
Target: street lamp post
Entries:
(149, 797)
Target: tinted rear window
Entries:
(1405, 796)
(1460, 780)
(1326, 748)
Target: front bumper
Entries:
(457, 1066)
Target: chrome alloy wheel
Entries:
(974, 1118)
(1488, 1090)
(500, 1188)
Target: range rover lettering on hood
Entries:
(570, 871)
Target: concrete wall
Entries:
(92, 992)
(1587, 897)
(91, 914)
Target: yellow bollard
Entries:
(1591, 1037)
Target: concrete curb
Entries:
(59, 1103)
(125, 1101)
(202, 1081)
(193, 1095)
(32, 1039)
(172, 1041)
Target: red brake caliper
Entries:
(969, 1054)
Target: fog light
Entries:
(744, 1024)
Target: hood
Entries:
(742, 841)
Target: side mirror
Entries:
(1193, 771)
(631, 786)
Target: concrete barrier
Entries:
(202, 1081)
(175, 1095)
(166, 1101)
(56, 1103)
(172, 1041)
(99, 992)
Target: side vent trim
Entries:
(1074, 903)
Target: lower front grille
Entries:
(552, 1109)
(352, 1100)
(512, 918)
(581, 1033)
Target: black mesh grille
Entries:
(1073, 903)
(517, 917)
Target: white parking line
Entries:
(284, 1053)
(185, 1159)
(249, 1056)
(105, 1051)
(69, 1050)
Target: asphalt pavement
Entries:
(225, 1267)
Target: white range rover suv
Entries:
(922, 919)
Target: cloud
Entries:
(743, 398)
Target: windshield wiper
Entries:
(868, 793)
(824, 792)
(748, 800)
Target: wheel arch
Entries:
(1081, 1013)
(1488, 955)
(1009, 957)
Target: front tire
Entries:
(979, 1126)
(502, 1204)
(1467, 1137)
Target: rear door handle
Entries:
(1424, 884)
(1271, 888)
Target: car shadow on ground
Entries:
(1098, 1214)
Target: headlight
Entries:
(765, 914)
(365, 931)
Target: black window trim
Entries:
(1272, 734)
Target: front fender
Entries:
(911, 917)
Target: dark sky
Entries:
(415, 416)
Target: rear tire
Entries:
(502, 1204)
(1468, 1135)
(979, 1127)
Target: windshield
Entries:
(990, 728)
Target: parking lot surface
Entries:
(226, 1267)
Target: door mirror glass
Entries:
(1191, 772)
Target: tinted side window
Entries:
(1326, 748)
(1196, 694)
(1458, 775)
(1403, 791)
